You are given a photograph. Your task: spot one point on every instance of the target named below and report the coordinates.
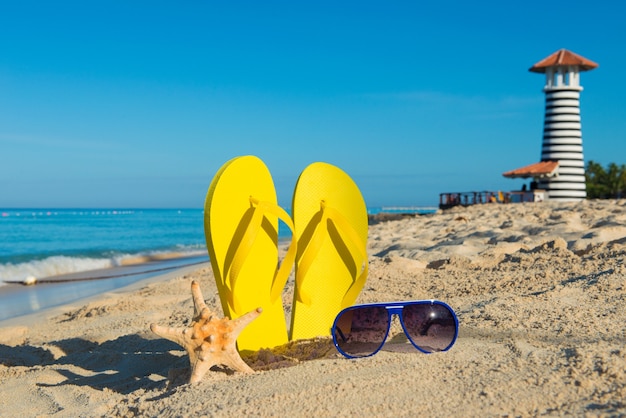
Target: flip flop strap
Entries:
(315, 243)
(261, 208)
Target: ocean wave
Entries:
(51, 266)
(58, 265)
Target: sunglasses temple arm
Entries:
(343, 337)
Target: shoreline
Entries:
(27, 296)
(18, 299)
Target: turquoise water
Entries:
(49, 242)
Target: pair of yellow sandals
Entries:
(328, 249)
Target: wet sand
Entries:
(18, 298)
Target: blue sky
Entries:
(138, 103)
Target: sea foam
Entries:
(58, 265)
(51, 266)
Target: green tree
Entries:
(609, 183)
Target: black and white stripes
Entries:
(562, 140)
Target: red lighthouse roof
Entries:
(563, 57)
(539, 170)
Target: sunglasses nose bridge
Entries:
(394, 310)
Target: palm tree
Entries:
(605, 184)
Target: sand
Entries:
(539, 289)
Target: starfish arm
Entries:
(240, 323)
(199, 369)
(204, 316)
(198, 300)
(232, 359)
(176, 335)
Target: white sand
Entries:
(540, 290)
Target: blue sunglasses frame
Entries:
(394, 308)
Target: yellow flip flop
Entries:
(241, 230)
(330, 227)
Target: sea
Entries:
(47, 243)
(51, 242)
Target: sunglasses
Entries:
(361, 330)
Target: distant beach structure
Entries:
(560, 174)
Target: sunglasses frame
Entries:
(395, 308)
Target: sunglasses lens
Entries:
(360, 332)
(431, 327)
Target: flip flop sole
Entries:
(244, 283)
(337, 262)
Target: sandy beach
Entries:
(539, 289)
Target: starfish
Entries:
(210, 340)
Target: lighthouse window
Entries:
(566, 78)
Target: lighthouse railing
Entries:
(451, 199)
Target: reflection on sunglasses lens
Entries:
(360, 332)
(430, 327)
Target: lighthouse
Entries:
(560, 175)
(562, 134)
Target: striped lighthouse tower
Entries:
(562, 137)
